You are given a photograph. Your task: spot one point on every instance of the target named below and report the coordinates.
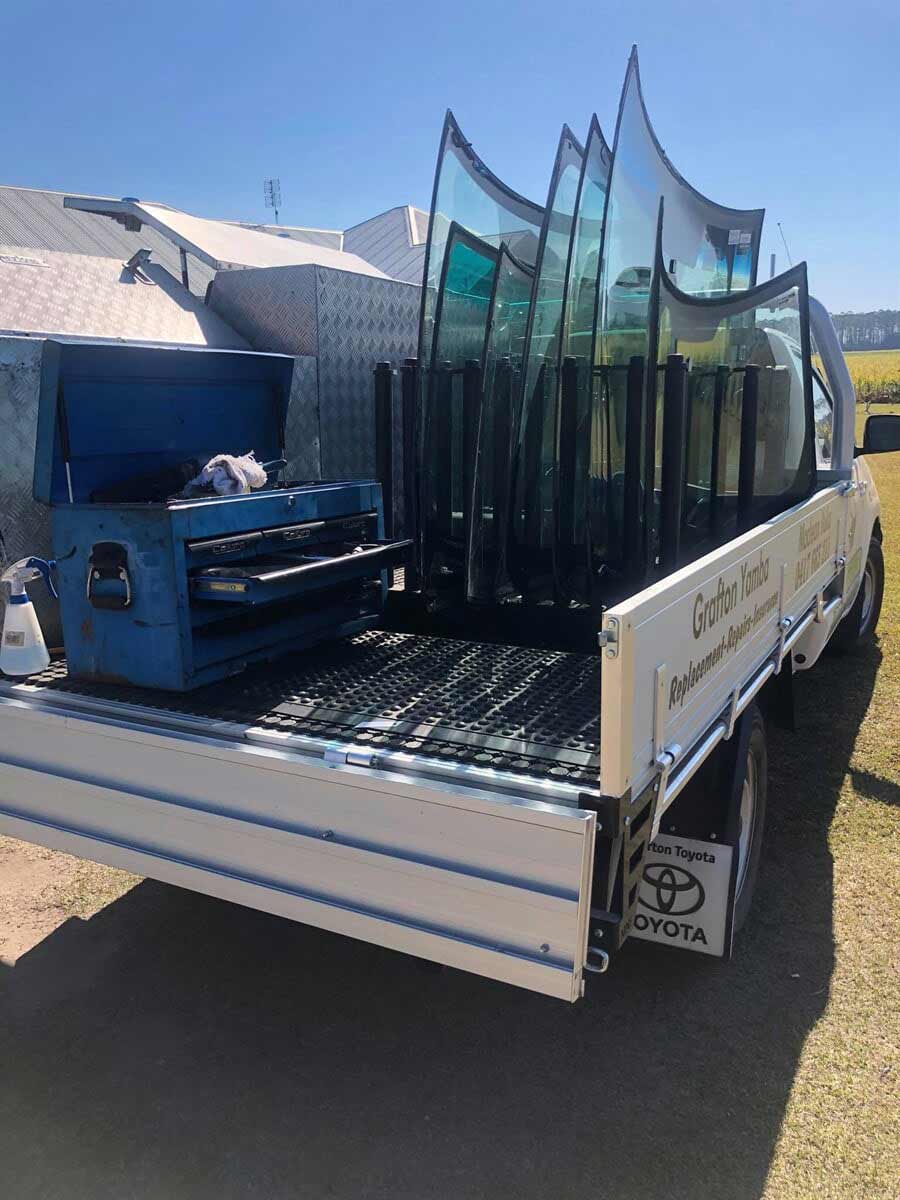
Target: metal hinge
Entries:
(608, 637)
(349, 756)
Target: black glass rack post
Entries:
(747, 464)
(720, 391)
(409, 436)
(384, 440)
(674, 439)
(632, 534)
(567, 465)
(471, 415)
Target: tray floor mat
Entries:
(505, 707)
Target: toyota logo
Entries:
(675, 891)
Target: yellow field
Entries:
(875, 374)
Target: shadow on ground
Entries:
(176, 1046)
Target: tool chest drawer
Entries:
(284, 538)
(262, 580)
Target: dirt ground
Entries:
(157, 1044)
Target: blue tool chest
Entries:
(174, 593)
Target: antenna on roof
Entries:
(272, 195)
(784, 239)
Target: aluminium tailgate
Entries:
(476, 877)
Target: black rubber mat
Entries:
(507, 707)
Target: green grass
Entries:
(839, 1134)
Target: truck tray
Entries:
(533, 712)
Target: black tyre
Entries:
(747, 808)
(858, 627)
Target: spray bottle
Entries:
(22, 651)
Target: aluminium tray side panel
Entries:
(495, 886)
(686, 642)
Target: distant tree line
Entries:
(869, 331)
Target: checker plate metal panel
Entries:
(361, 321)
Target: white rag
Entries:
(231, 474)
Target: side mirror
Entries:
(881, 434)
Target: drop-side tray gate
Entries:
(472, 866)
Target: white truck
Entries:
(509, 811)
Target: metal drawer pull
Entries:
(224, 545)
(335, 562)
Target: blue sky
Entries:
(790, 106)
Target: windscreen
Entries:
(473, 215)
(587, 235)
(487, 576)
(464, 297)
(583, 433)
(467, 195)
(708, 249)
(532, 529)
(763, 333)
(539, 435)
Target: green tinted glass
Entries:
(465, 298)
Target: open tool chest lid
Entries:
(110, 413)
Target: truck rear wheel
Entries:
(857, 628)
(747, 808)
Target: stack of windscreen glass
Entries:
(537, 325)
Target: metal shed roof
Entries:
(221, 245)
(38, 219)
(394, 241)
(332, 238)
(78, 295)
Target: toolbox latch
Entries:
(108, 581)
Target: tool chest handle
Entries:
(108, 565)
(225, 545)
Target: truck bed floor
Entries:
(510, 708)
